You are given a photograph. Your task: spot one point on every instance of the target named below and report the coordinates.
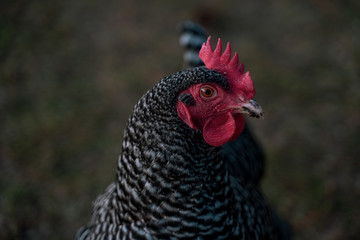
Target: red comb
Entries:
(214, 60)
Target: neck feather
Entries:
(167, 169)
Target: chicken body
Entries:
(171, 184)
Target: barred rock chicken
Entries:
(173, 180)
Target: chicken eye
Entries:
(208, 92)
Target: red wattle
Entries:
(219, 129)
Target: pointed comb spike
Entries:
(206, 53)
(234, 61)
(241, 68)
(218, 48)
(225, 58)
(208, 43)
(248, 84)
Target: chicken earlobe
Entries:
(185, 115)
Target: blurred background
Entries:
(71, 72)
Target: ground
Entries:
(71, 71)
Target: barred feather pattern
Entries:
(244, 157)
(170, 184)
(192, 36)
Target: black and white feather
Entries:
(192, 36)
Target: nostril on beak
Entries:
(253, 109)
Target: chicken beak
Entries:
(252, 108)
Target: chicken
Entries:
(172, 180)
